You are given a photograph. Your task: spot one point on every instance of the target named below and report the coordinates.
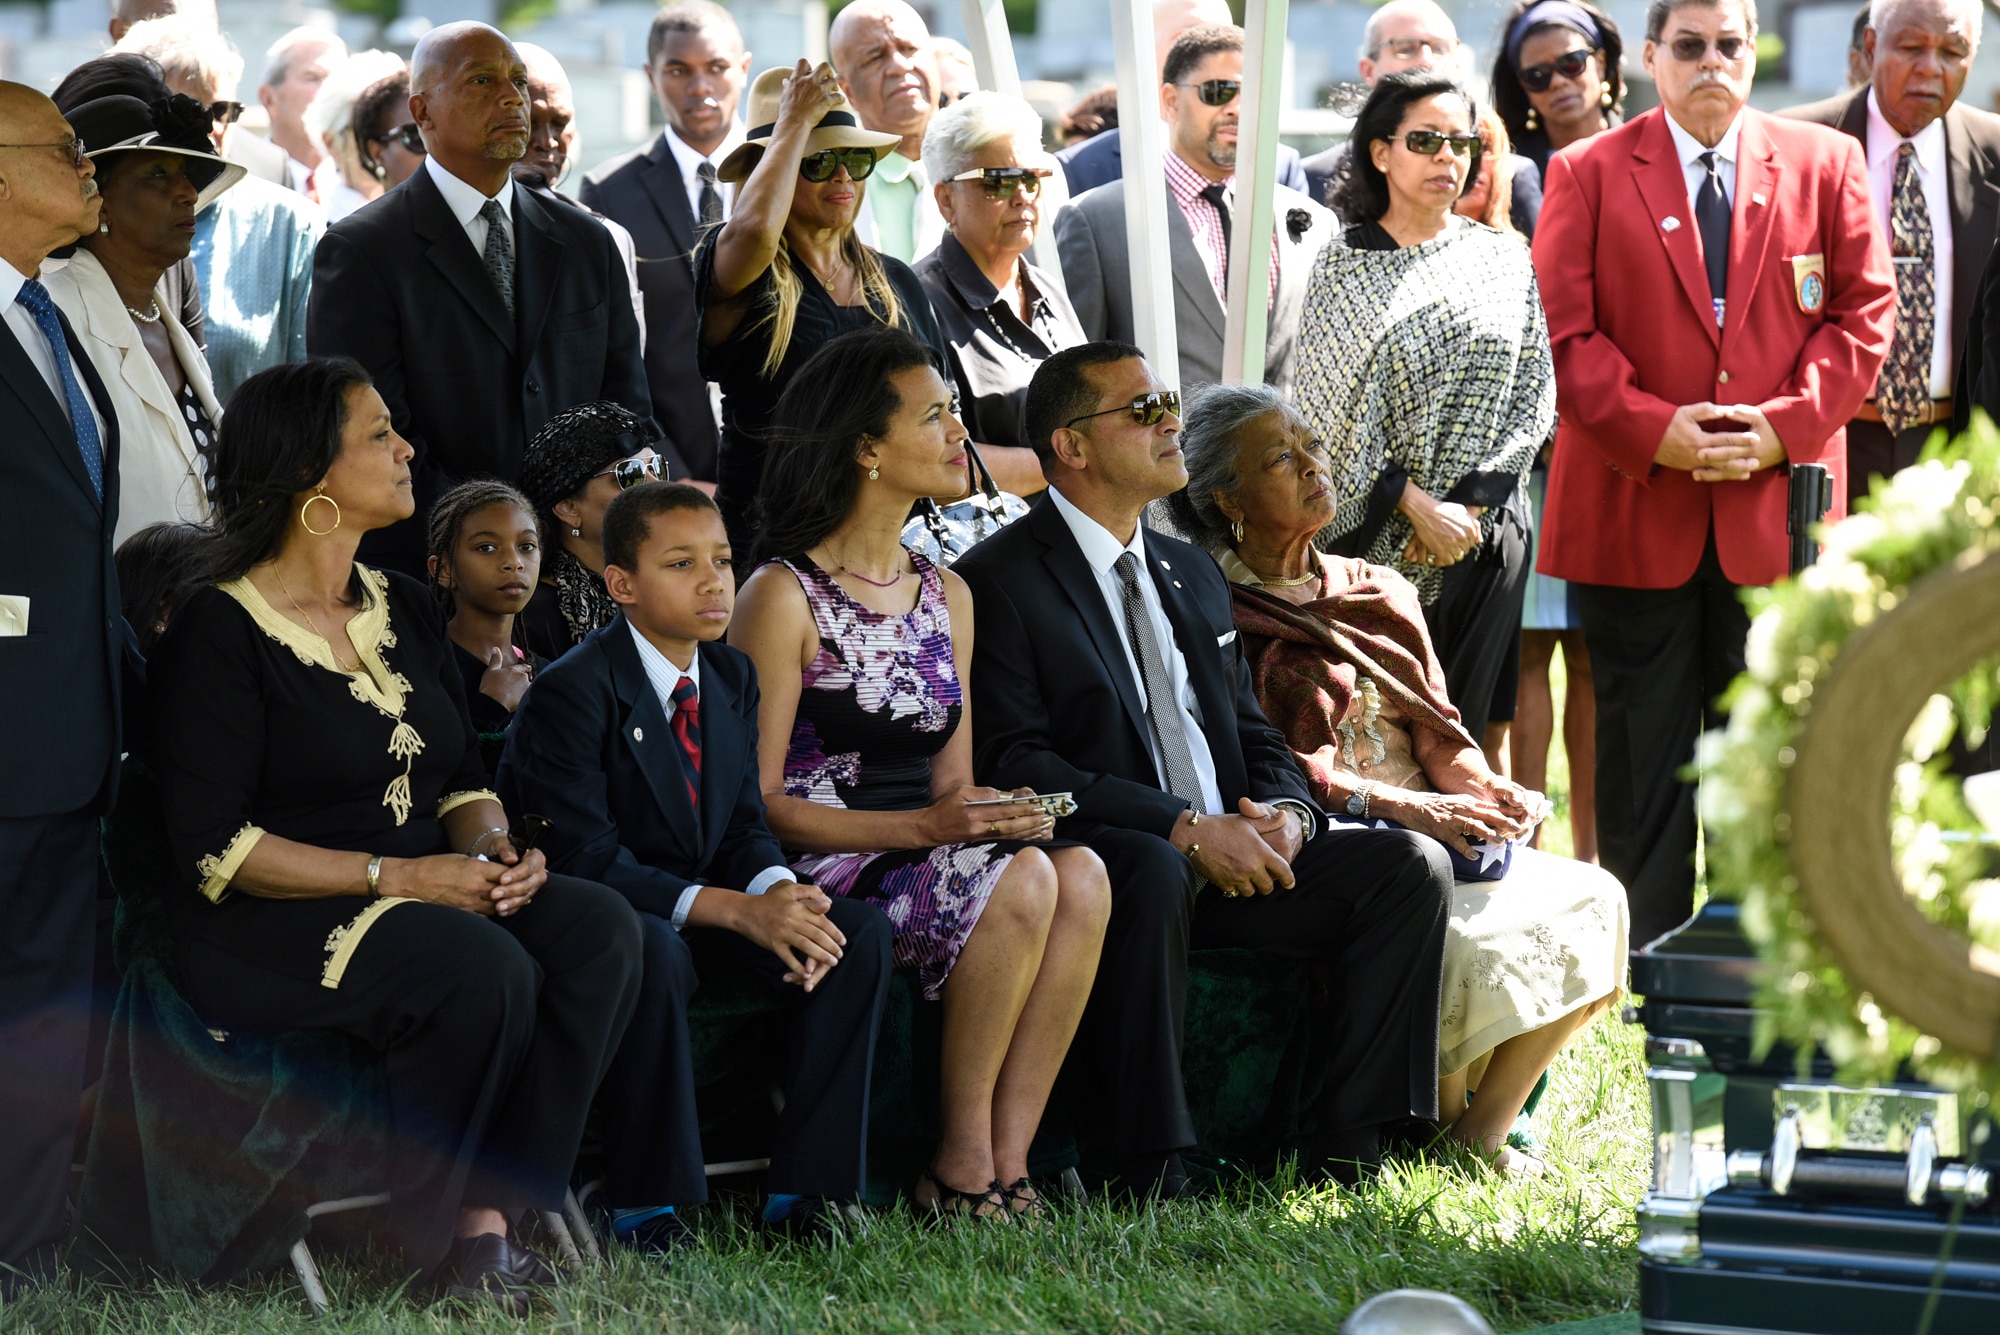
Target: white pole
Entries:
(992, 48)
(1250, 239)
(1144, 146)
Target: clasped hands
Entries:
(1443, 533)
(1719, 456)
(1244, 854)
(499, 886)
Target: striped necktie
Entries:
(687, 731)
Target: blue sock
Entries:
(778, 1205)
(624, 1222)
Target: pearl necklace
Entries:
(151, 316)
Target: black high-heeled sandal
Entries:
(951, 1203)
(1034, 1207)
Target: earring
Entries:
(103, 228)
(576, 533)
(319, 495)
(1236, 531)
(1534, 122)
(874, 474)
(1604, 98)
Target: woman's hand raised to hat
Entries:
(809, 94)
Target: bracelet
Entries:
(375, 878)
(481, 838)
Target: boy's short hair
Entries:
(628, 520)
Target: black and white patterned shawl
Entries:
(1429, 363)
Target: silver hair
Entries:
(976, 122)
(188, 51)
(1371, 31)
(1973, 11)
(1659, 11)
(1215, 416)
(278, 60)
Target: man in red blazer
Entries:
(1719, 301)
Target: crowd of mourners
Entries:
(843, 590)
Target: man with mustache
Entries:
(1934, 176)
(479, 310)
(1201, 99)
(1719, 300)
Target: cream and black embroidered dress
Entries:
(259, 730)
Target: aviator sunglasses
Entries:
(1002, 182)
(819, 167)
(1426, 143)
(1570, 64)
(1215, 92)
(1688, 49)
(1146, 410)
(631, 472)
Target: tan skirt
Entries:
(1525, 951)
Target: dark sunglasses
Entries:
(1215, 92)
(1146, 410)
(1426, 143)
(631, 472)
(225, 113)
(820, 166)
(408, 135)
(1002, 182)
(1570, 64)
(73, 149)
(1689, 49)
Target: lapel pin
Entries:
(1670, 224)
(1177, 584)
(1166, 565)
(638, 734)
(1756, 198)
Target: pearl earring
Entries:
(576, 533)
(1604, 98)
(104, 229)
(1534, 122)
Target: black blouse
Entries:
(993, 354)
(255, 729)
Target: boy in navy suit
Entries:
(640, 747)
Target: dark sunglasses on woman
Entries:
(1426, 143)
(820, 166)
(1570, 64)
(1146, 410)
(408, 135)
(631, 472)
(1002, 182)
(1215, 92)
(225, 113)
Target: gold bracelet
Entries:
(375, 878)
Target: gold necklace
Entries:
(315, 625)
(1273, 582)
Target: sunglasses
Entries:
(1415, 48)
(1570, 64)
(1426, 143)
(225, 113)
(408, 135)
(631, 472)
(820, 166)
(1146, 410)
(72, 149)
(1215, 92)
(1689, 49)
(1002, 182)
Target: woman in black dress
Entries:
(346, 866)
(786, 273)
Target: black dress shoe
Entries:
(662, 1235)
(812, 1219)
(490, 1269)
(1154, 1177)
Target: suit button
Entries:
(1722, 377)
(534, 386)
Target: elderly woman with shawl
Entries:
(1342, 664)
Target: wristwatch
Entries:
(1358, 801)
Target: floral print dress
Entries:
(878, 702)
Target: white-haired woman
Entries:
(343, 180)
(786, 274)
(1000, 314)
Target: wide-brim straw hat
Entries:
(839, 128)
(175, 125)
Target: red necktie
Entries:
(687, 731)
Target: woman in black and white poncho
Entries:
(1424, 366)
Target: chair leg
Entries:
(581, 1233)
(559, 1232)
(302, 1261)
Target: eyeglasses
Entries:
(1215, 92)
(408, 135)
(631, 472)
(1570, 64)
(74, 147)
(1690, 48)
(1002, 182)
(1426, 143)
(820, 166)
(225, 113)
(1414, 48)
(1146, 410)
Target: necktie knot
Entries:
(490, 211)
(705, 170)
(685, 696)
(710, 203)
(36, 298)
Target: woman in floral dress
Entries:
(862, 650)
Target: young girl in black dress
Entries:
(485, 556)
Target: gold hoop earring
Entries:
(874, 474)
(319, 494)
(1236, 530)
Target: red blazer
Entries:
(1619, 262)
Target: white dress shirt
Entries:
(664, 676)
(1696, 175)
(1101, 550)
(1883, 141)
(21, 323)
(689, 160)
(466, 201)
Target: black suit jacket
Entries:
(1055, 706)
(591, 749)
(398, 287)
(61, 681)
(642, 190)
(1972, 179)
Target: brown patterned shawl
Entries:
(1305, 660)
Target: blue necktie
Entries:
(40, 305)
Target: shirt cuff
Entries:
(767, 878)
(684, 906)
(1308, 820)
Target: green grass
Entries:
(1265, 1256)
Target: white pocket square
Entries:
(1221, 640)
(13, 614)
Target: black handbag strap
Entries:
(981, 474)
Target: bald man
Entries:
(1100, 159)
(480, 310)
(888, 69)
(62, 643)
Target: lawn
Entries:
(1262, 1256)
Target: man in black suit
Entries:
(667, 194)
(480, 311)
(1948, 198)
(1087, 624)
(62, 643)
(640, 747)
